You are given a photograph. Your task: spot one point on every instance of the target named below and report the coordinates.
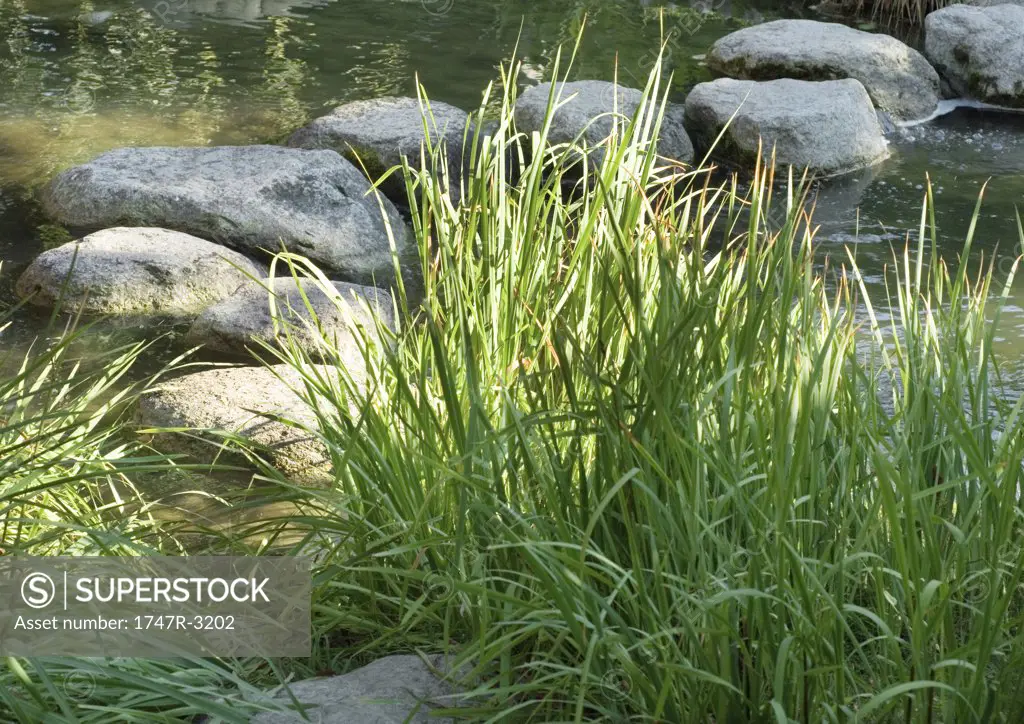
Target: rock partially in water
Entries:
(243, 401)
(886, 122)
(95, 18)
(587, 110)
(251, 198)
(979, 51)
(245, 317)
(394, 690)
(181, 13)
(989, 3)
(136, 271)
(898, 79)
(829, 127)
(377, 134)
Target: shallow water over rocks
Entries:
(79, 80)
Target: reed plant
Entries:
(633, 452)
(638, 455)
(64, 464)
(70, 470)
(908, 13)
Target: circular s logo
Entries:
(37, 590)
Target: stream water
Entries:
(79, 77)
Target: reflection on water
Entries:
(964, 153)
(961, 153)
(183, 12)
(80, 77)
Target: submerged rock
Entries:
(135, 271)
(251, 198)
(377, 134)
(393, 690)
(586, 110)
(979, 51)
(245, 317)
(898, 79)
(829, 127)
(183, 13)
(243, 401)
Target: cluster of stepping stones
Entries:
(185, 232)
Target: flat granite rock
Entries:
(251, 198)
(136, 271)
(244, 318)
(829, 127)
(588, 107)
(240, 400)
(377, 134)
(394, 690)
(898, 79)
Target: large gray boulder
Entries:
(242, 401)
(979, 51)
(245, 317)
(251, 198)
(393, 690)
(377, 134)
(829, 127)
(135, 271)
(898, 79)
(990, 3)
(587, 111)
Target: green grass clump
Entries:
(910, 12)
(68, 474)
(635, 454)
(636, 457)
(64, 466)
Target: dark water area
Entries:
(78, 78)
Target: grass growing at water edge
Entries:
(912, 12)
(642, 461)
(68, 473)
(636, 457)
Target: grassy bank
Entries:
(892, 12)
(636, 456)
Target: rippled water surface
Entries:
(77, 78)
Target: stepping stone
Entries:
(898, 79)
(136, 271)
(829, 127)
(240, 400)
(251, 198)
(377, 134)
(244, 318)
(979, 51)
(394, 690)
(587, 108)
